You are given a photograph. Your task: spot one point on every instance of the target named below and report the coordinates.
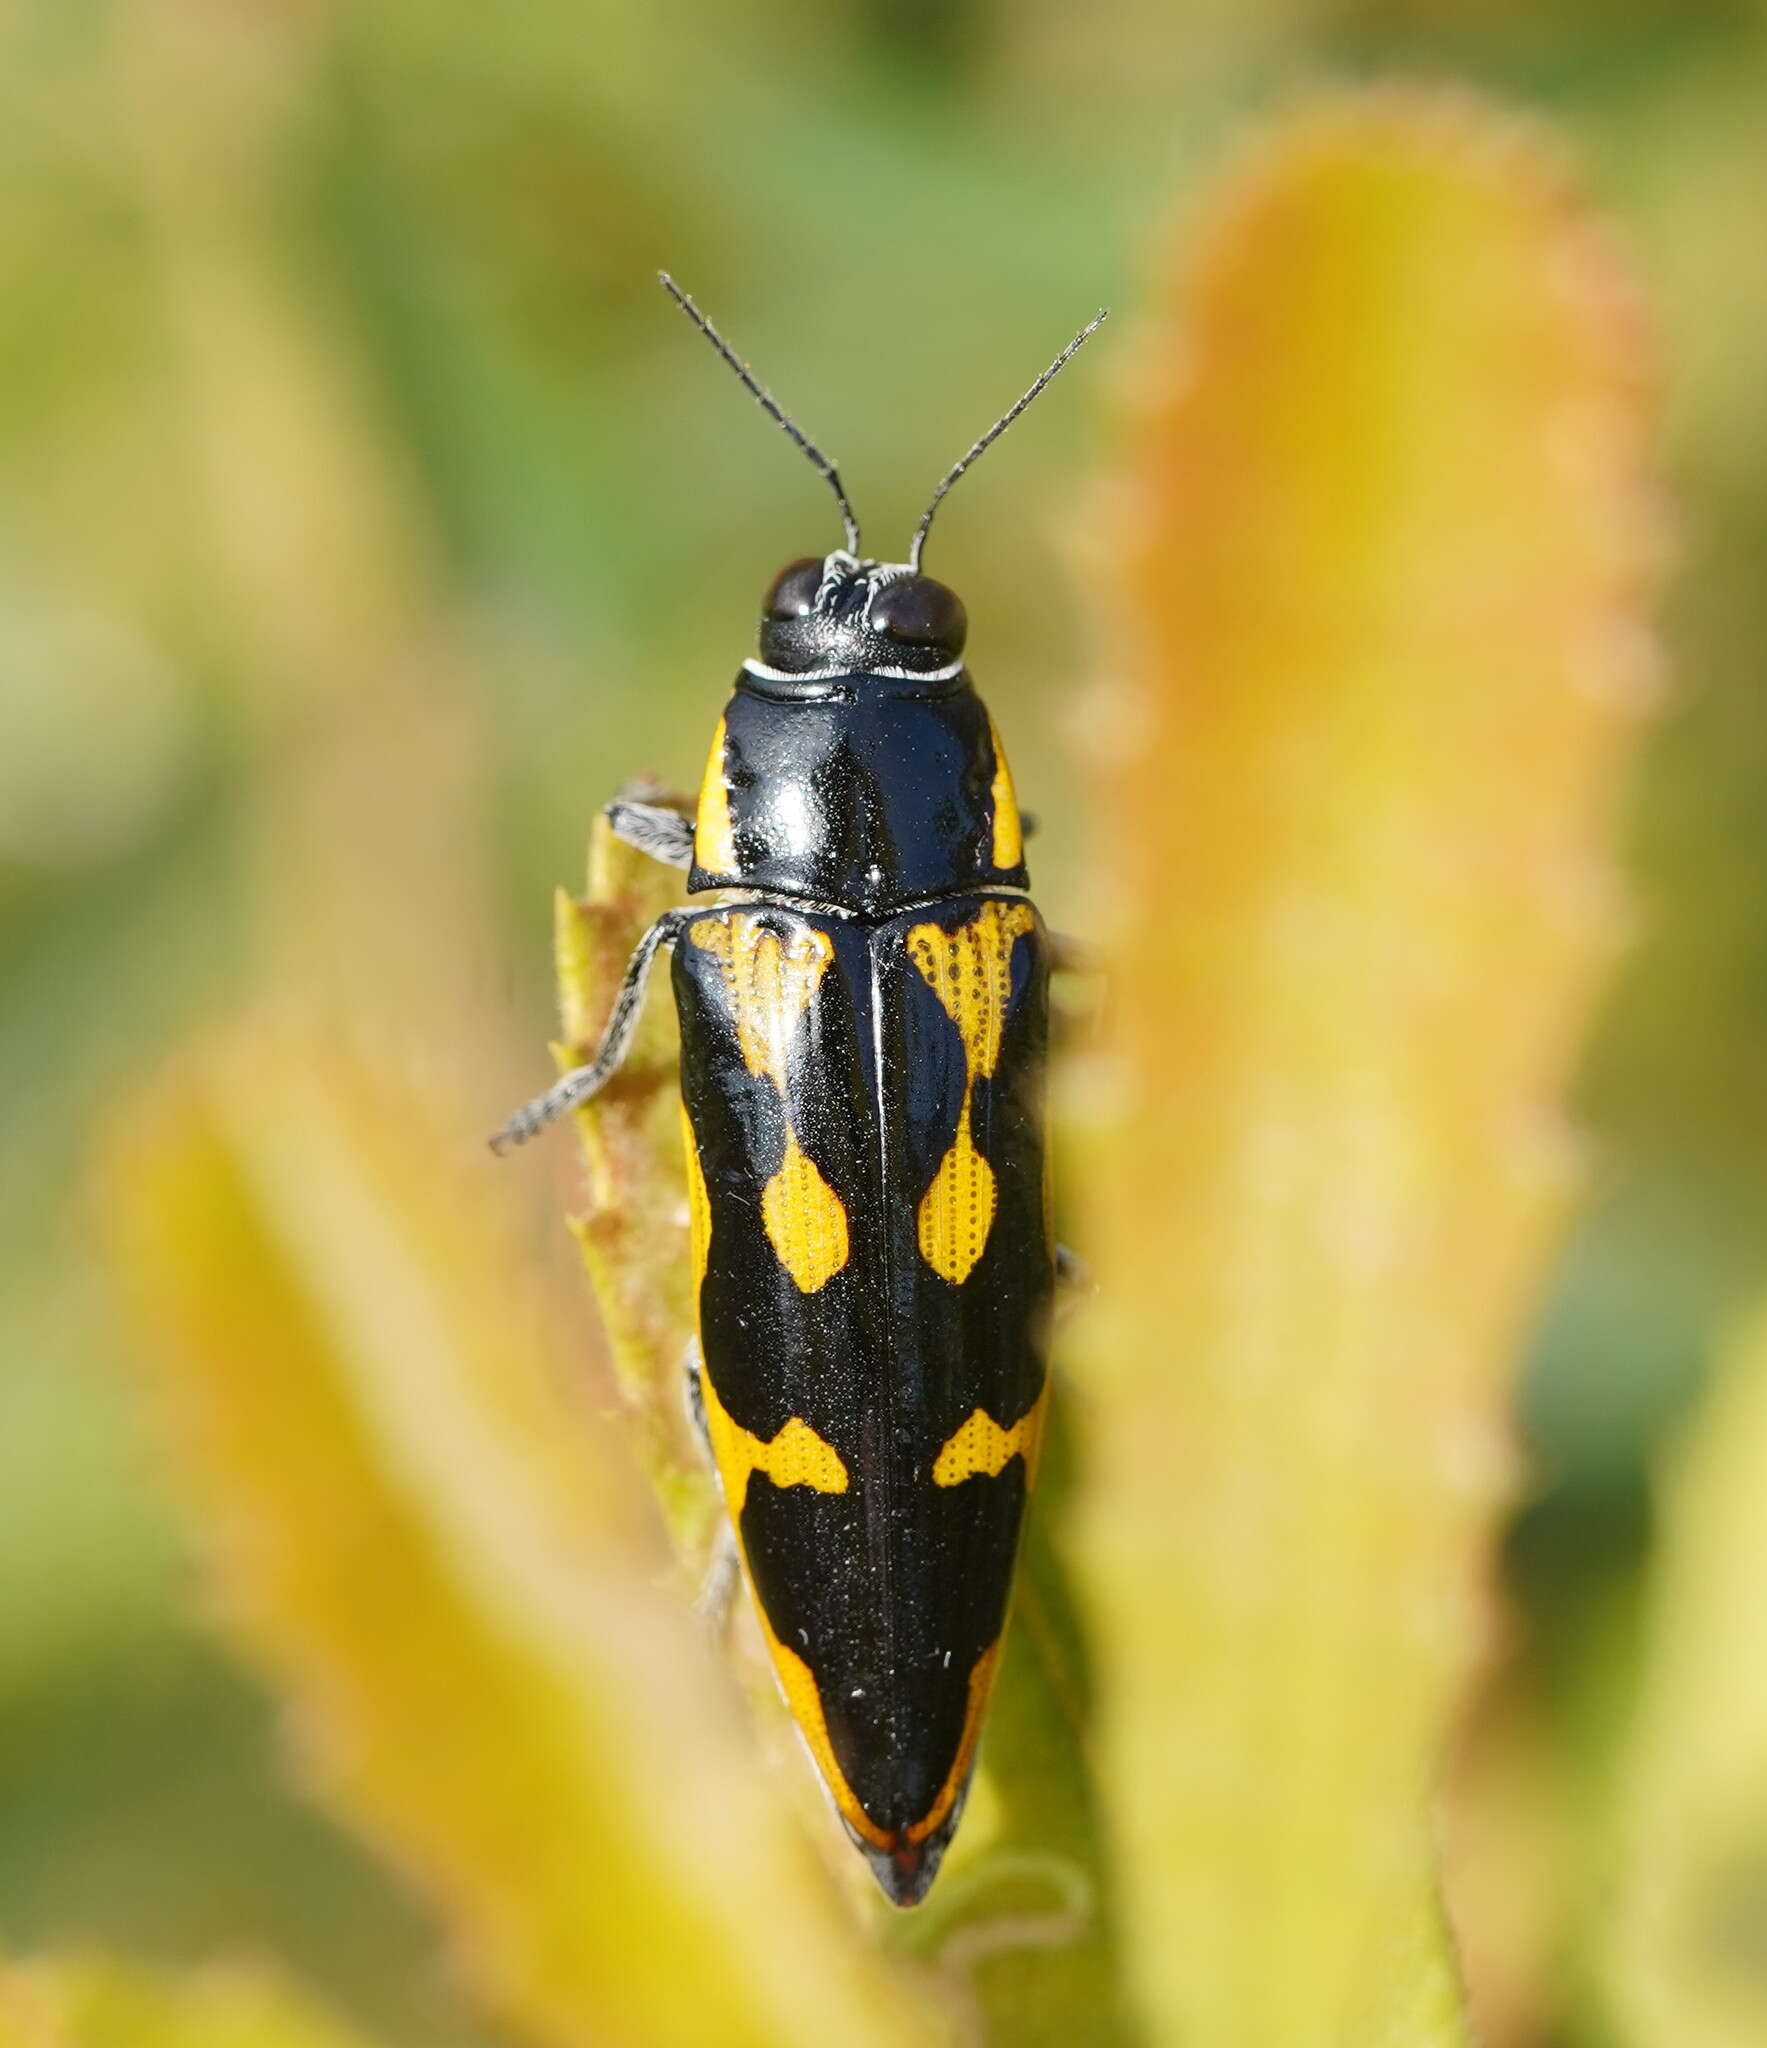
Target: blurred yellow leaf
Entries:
(437, 1552)
(1377, 572)
(92, 2002)
(27, 2019)
(1686, 1947)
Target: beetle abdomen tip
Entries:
(905, 1872)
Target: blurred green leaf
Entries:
(1683, 1947)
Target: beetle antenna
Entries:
(996, 430)
(770, 406)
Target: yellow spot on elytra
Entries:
(771, 977)
(714, 842)
(970, 971)
(957, 1210)
(699, 1207)
(734, 1448)
(805, 1222)
(797, 1456)
(981, 1684)
(980, 1447)
(772, 982)
(1009, 832)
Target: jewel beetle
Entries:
(863, 997)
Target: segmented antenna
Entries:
(994, 432)
(770, 406)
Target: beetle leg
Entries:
(1069, 955)
(717, 1589)
(717, 1593)
(1073, 1282)
(576, 1087)
(654, 829)
(695, 1396)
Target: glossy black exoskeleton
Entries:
(862, 989)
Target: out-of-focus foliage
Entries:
(422, 1534)
(366, 519)
(1682, 1950)
(91, 2003)
(1380, 609)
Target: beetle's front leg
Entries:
(1072, 1274)
(581, 1083)
(661, 830)
(717, 1591)
(654, 829)
(694, 1394)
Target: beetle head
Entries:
(840, 615)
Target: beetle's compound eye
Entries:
(793, 595)
(922, 612)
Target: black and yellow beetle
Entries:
(863, 1005)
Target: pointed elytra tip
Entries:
(905, 1874)
(905, 1870)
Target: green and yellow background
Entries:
(367, 516)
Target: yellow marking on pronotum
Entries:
(797, 1456)
(699, 1207)
(1009, 831)
(772, 979)
(981, 1683)
(980, 1447)
(970, 971)
(804, 1219)
(714, 842)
